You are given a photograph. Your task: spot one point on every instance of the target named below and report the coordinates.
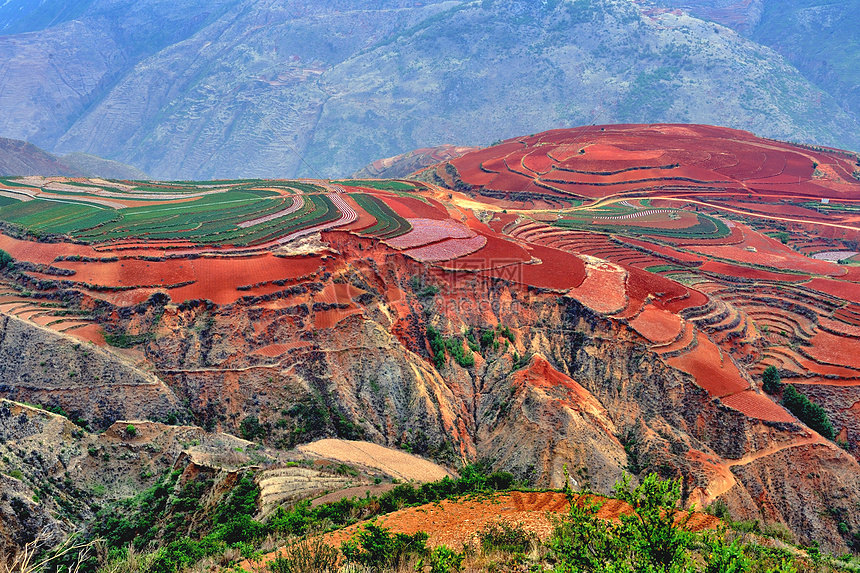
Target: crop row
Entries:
(388, 223)
(705, 227)
(204, 216)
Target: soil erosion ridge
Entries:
(603, 297)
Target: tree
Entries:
(651, 539)
(809, 413)
(771, 381)
(6, 260)
(656, 531)
(583, 542)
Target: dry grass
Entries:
(24, 560)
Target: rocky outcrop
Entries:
(558, 384)
(548, 382)
(41, 366)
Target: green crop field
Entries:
(4, 201)
(388, 223)
(706, 227)
(213, 218)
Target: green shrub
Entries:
(443, 559)
(582, 542)
(130, 430)
(651, 539)
(503, 536)
(183, 553)
(377, 549)
(454, 346)
(241, 529)
(655, 535)
(723, 558)
(437, 346)
(251, 429)
(6, 260)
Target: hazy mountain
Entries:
(194, 89)
(21, 158)
(94, 166)
(819, 37)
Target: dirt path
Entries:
(811, 438)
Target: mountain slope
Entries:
(240, 89)
(93, 166)
(818, 37)
(573, 63)
(821, 39)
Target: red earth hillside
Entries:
(640, 275)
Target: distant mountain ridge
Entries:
(21, 158)
(408, 163)
(243, 88)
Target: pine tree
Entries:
(771, 381)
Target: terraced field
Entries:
(703, 206)
(708, 251)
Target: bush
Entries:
(183, 553)
(582, 542)
(655, 535)
(241, 529)
(250, 429)
(131, 431)
(437, 346)
(6, 260)
(722, 558)
(443, 559)
(771, 381)
(376, 548)
(309, 555)
(809, 413)
(503, 536)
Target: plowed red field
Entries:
(840, 289)
(712, 368)
(598, 160)
(657, 325)
(831, 349)
(558, 270)
(456, 523)
(757, 406)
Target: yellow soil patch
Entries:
(395, 463)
